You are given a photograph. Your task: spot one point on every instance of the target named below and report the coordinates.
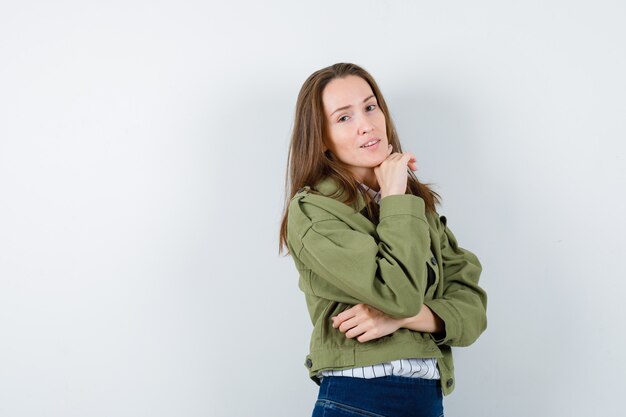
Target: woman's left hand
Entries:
(366, 322)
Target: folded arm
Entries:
(388, 273)
(457, 318)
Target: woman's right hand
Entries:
(391, 173)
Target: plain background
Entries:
(143, 147)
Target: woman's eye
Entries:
(341, 119)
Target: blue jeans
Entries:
(388, 396)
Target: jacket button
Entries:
(449, 382)
(433, 260)
(308, 362)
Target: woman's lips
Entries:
(372, 147)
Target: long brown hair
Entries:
(307, 161)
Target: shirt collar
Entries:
(374, 194)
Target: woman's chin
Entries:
(377, 161)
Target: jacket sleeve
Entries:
(463, 305)
(388, 273)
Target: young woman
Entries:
(387, 286)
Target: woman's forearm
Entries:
(424, 321)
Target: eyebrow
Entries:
(347, 107)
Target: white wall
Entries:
(142, 158)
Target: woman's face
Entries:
(354, 119)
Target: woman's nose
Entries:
(365, 127)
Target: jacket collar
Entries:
(328, 186)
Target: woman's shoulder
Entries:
(306, 208)
(321, 201)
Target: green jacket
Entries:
(408, 259)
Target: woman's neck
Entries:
(369, 179)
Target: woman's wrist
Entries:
(424, 321)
